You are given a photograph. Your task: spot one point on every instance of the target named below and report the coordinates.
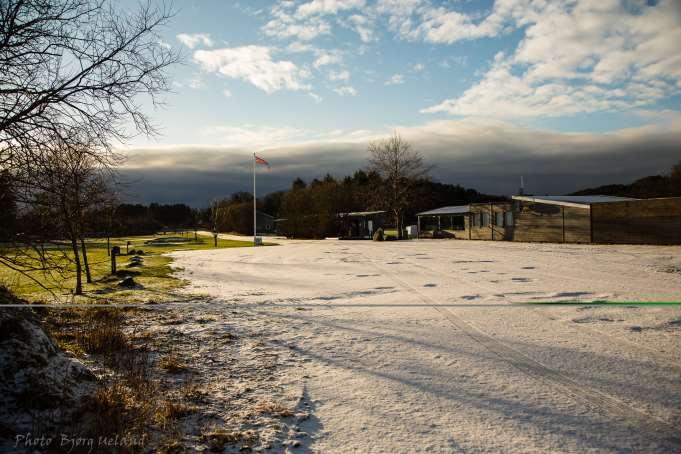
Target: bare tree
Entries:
(72, 73)
(66, 184)
(80, 65)
(400, 167)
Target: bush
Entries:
(378, 235)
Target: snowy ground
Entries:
(418, 346)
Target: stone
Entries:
(127, 282)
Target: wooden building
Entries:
(574, 219)
(445, 222)
(360, 224)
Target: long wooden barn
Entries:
(567, 219)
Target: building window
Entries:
(485, 219)
(499, 219)
(509, 218)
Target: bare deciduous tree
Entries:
(65, 184)
(400, 167)
(72, 73)
(77, 65)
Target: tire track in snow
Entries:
(667, 360)
(596, 400)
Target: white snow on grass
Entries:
(423, 345)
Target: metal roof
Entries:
(361, 213)
(572, 199)
(459, 209)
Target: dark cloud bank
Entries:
(488, 157)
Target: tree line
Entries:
(653, 186)
(395, 180)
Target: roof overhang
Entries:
(447, 211)
(357, 214)
(585, 206)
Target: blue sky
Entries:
(318, 79)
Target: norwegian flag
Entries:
(259, 160)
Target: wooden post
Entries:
(491, 219)
(114, 252)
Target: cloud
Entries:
(395, 79)
(285, 24)
(193, 40)
(346, 91)
(576, 58)
(418, 67)
(325, 58)
(327, 7)
(363, 26)
(227, 93)
(339, 75)
(487, 155)
(254, 135)
(253, 64)
(299, 48)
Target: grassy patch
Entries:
(155, 273)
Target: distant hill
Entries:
(643, 188)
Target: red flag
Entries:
(259, 160)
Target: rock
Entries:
(39, 382)
(127, 282)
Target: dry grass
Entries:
(102, 332)
(88, 330)
(191, 391)
(169, 411)
(217, 439)
(273, 408)
(172, 363)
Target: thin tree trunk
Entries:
(88, 276)
(76, 258)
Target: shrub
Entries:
(378, 235)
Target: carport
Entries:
(448, 219)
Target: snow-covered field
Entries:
(419, 346)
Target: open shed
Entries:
(447, 221)
(361, 224)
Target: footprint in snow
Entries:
(520, 279)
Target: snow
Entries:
(422, 345)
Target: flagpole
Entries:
(255, 218)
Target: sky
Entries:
(566, 93)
